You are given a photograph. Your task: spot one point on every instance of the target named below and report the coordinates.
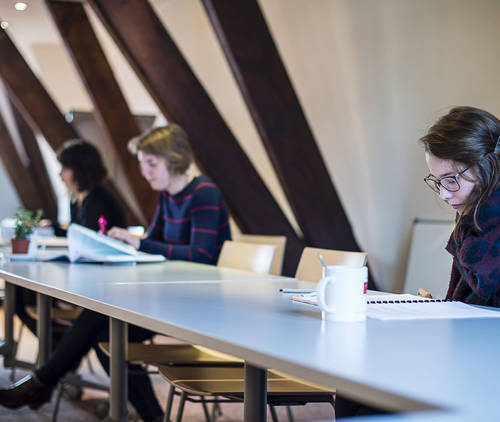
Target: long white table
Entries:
(447, 366)
(91, 285)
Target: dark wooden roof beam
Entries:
(37, 166)
(181, 98)
(37, 107)
(111, 108)
(18, 172)
(259, 71)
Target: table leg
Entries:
(255, 406)
(7, 346)
(44, 328)
(118, 389)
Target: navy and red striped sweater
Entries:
(191, 225)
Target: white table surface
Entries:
(74, 282)
(84, 285)
(401, 365)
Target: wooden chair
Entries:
(278, 241)
(258, 258)
(309, 268)
(229, 381)
(255, 257)
(64, 314)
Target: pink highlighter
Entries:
(102, 224)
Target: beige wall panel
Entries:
(371, 77)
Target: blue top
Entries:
(191, 225)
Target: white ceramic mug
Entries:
(341, 293)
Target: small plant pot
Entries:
(20, 245)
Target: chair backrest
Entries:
(309, 268)
(278, 241)
(247, 256)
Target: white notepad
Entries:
(406, 306)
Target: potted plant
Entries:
(25, 224)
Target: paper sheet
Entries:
(407, 307)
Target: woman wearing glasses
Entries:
(462, 151)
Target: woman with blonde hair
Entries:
(191, 221)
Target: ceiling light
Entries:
(20, 5)
(69, 116)
(4, 24)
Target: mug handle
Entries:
(321, 293)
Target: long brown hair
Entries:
(470, 136)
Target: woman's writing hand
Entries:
(124, 236)
(424, 293)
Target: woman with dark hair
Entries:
(462, 150)
(82, 172)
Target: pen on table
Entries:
(297, 291)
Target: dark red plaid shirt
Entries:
(475, 275)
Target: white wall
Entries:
(10, 200)
(371, 76)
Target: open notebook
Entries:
(406, 306)
(85, 245)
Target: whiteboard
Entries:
(429, 264)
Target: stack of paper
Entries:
(85, 245)
(394, 307)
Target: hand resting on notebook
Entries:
(125, 236)
(424, 293)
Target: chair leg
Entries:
(60, 389)
(274, 416)
(290, 414)
(170, 399)
(180, 408)
(215, 411)
(205, 409)
(16, 344)
(218, 408)
(89, 364)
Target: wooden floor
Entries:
(84, 409)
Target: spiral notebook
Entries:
(406, 307)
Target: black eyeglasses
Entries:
(450, 183)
